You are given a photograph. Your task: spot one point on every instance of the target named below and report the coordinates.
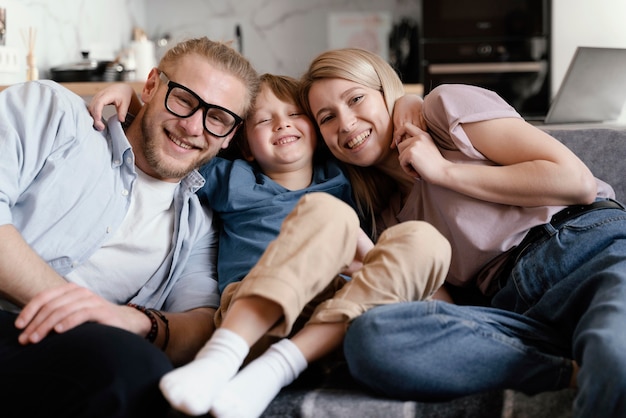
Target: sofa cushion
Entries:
(603, 150)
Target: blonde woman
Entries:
(530, 227)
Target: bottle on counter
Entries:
(144, 53)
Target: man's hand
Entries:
(65, 307)
(120, 95)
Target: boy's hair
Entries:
(371, 187)
(220, 55)
(285, 88)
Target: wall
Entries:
(279, 36)
(598, 23)
(65, 27)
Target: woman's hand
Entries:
(528, 166)
(407, 109)
(418, 155)
(118, 94)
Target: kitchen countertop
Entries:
(414, 89)
(91, 88)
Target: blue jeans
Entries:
(564, 299)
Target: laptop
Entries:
(593, 89)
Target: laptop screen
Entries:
(593, 89)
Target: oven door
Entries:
(524, 85)
(454, 19)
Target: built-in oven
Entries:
(502, 45)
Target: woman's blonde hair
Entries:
(220, 55)
(372, 188)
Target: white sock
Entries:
(191, 388)
(253, 388)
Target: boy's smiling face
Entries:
(280, 136)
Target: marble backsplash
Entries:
(279, 36)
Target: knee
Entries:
(328, 210)
(420, 243)
(120, 370)
(423, 237)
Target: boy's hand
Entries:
(118, 94)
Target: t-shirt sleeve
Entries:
(216, 173)
(448, 106)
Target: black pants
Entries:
(90, 371)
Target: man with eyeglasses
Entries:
(107, 258)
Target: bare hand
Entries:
(418, 154)
(407, 109)
(65, 307)
(117, 94)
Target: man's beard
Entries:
(157, 163)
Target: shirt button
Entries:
(116, 162)
(129, 160)
(108, 230)
(125, 192)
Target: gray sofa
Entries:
(327, 390)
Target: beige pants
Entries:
(317, 241)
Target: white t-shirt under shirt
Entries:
(146, 234)
(478, 230)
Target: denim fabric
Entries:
(565, 299)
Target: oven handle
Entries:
(488, 67)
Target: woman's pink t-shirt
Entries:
(478, 231)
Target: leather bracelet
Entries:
(154, 325)
(163, 318)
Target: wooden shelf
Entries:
(414, 89)
(91, 88)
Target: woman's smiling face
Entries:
(353, 120)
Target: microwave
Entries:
(485, 19)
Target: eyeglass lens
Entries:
(182, 103)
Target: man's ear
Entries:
(151, 85)
(227, 141)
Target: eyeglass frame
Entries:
(201, 104)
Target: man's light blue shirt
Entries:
(66, 187)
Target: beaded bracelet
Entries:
(167, 327)
(154, 325)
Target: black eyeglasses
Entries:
(182, 102)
